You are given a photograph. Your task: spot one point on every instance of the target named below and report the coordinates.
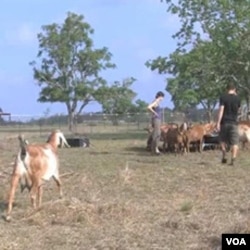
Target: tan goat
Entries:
(175, 138)
(197, 132)
(34, 164)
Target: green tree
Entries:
(68, 66)
(204, 18)
(224, 23)
(212, 48)
(139, 107)
(194, 77)
(119, 99)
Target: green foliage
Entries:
(199, 17)
(194, 78)
(224, 23)
(140, 106)
(118, 98)
(68, 66)
(213, 47)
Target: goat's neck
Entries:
(53, 146)
(53, 142)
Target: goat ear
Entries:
(60, 143)
(20, 137)
(22, 141)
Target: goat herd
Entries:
(36, 163)
(183, 138)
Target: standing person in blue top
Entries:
(155, 109)
(227, 122)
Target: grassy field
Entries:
(118, 196)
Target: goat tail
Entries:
(25, 181)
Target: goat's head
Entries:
(183, 127)
(57, 139)
(210, 127)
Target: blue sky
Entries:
(133, 30)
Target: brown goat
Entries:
(175, 138)
(164, 128)
(197, 132)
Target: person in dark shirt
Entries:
(155, 109)
(227, 122)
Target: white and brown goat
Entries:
(34, 164)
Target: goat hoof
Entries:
(7, 218)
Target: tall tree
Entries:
(68, 66)
(195, 77)
(200, 18)
(119, 99)
(226, 24)
(139, 107)
(212, 47)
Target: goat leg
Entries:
(14, 183)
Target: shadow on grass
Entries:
(139, 150)
(214, 242)
(100, 153)
(128, 151)
(116, 136)
(3, 206)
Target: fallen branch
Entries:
(67, 174)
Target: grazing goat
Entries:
(164, 129)
(176, 139)
(197, 132)
(34, 164)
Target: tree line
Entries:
(213, 47)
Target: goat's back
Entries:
(41, 160)
(195, 132)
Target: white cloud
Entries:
(24, 34)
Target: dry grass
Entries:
(118, 196)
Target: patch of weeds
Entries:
(186, 206)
